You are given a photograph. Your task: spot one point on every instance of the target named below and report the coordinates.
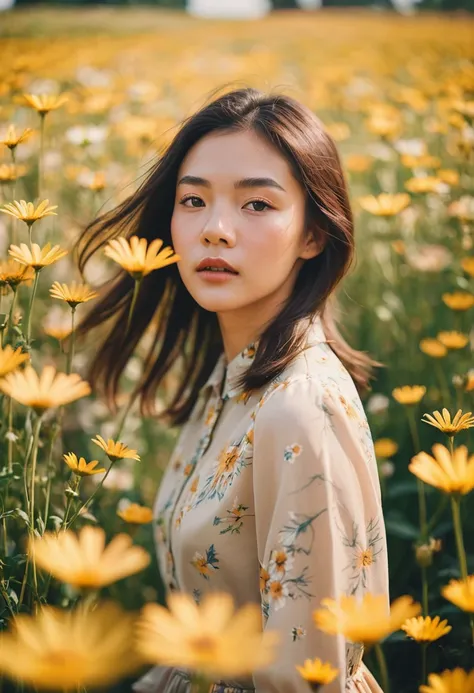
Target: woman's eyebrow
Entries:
(244, 183)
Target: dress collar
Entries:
(226, 376)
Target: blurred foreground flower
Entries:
(385, 205)
(433, 348)
(137, 258)
(45, 391)
(456, 681)
(467, 263)
(35, 256)
(11, 138)
(83, 560)
(451, 473)
(443, 421)
(364, 621)
(10, 359)
(80, 467)
(385, 448)
(203, 638)
(73, 294)
(14, 273)
(409, 394)
(317, 673)
(461, 593)
(425, 629)
(116, 450)
(59, 649)
(27, 212)
(136, 514)
(459, 300)
(453, 339)
(44, 103)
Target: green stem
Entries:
(36, 435)
(443, 383)
(69, 502)
(13, 220)
(30, 310)
(424, 588)
(89, 500)
(12, 309)
(136, 290)
(10, 431)
(456, 508)
(420, 484)
(383, 668)
(424, 648)
(41, 154)
(70, 354)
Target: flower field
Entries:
(88, 99)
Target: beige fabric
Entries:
(275, 498)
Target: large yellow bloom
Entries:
(426, 629)
(35, 256)
(385, 205)
(10, 359)
(73, 294)
(204, 637)
(115, 450)
(12, 139)
(317, 672)
(65, 650)
(453, 339)
(14, 273)
(460, 422)
(137, 258)
(467, 263)
(409, 394)
(83, 560)
(459, 300)
(27, 212)
(385, 448)
(461, 593)
(433, 348)
(80, 466)
(44, 103)
(45, 391)
(364, 621)
(455, 681)
(449, 473)
(136, 514)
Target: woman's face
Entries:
(236, 199)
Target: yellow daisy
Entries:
(203, 637)
(460, 421)
(10, 359)
(364, 621)
(453, 339)
(138, 258)
(385, 448)
(470, 382)
(73, 293)
(433, 348)
(459, 300)
(45, 391)
(9, 173)
(44, 103)
(69, 650)
(449, 176)
(317, 672)
(27, 212)
(35, 256)
(424, 184)
(385, 204)
(136, 514)
(12, 139)
(467, 263)
(115, 450)
(14, 273)
(409, 394)
(425, 629)
(449, 473)
(80, 466)
(461, 593)
(455, 681)
(83, 559)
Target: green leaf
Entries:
(21, 513)
(400, 527)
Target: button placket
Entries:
(217, 402)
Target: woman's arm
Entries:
(319, 521)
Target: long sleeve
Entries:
(319, 521)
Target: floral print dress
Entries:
(274, 497)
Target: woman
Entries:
(272, 492)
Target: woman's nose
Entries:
(218, 230)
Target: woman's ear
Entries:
(313, 245)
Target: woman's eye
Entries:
(259, 202)
(191, 197)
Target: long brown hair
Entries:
(185, 332)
